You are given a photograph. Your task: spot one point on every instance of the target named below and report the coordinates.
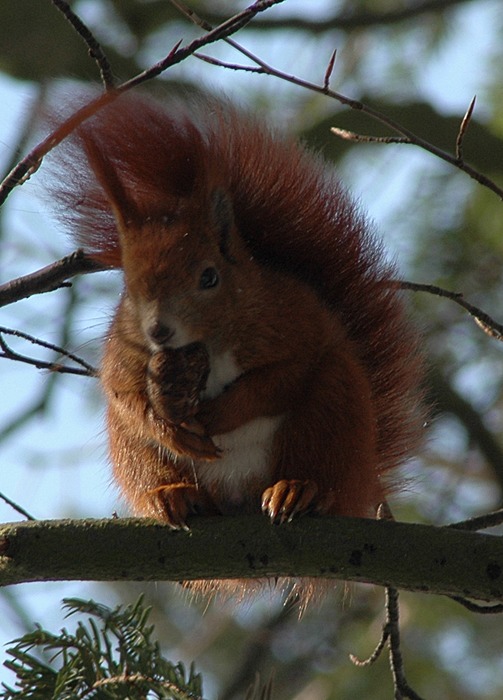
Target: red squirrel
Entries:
(260, 358)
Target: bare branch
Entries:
(40, 403)
(476, 608)
(31, 162)
(48, 278)
(222, 31)
(376, 653)
(483, 320)
(363, 138)
(405, 135)
(408, 137)
(402, 688)
(7, 353)
(481, 522)
(26, 129)
(95, 50)
(16, 507)
(193, 17)
(390, 631)
(230, 66)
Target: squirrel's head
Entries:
(184, 262)
(184, 272)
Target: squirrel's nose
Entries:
(160, 333)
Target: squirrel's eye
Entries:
(209, 278)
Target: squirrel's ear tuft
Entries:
(131, 161)
(223, 214)
(108, 176)
(145, 159)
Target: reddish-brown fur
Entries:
(303, 319)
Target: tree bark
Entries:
(415, 557)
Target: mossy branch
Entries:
(415, 557)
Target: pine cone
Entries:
(175, 379)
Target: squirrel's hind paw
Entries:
(289, 498)
(173, 503)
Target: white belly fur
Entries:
(223, 371)
(245, 457)
(246, 450)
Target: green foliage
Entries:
(111, 656)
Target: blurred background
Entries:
(420, 63)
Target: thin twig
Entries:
(16, 507)
(377, 651)
(48, 278)
(225, 64)
(483, 320)
(31, 162)
(391, 629)
(383, 513)
(42, 402)
(477, 608)
(364, 138)
(85, 368)
(405, 135)
(27, 128)
(462, 129)
(481, 522)
(390, 632)
(200, 22)
(28, 165)
(402, 688)
(222, 31)
(95, 50)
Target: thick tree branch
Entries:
(415, 557)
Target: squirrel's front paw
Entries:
(289, 498)
(190, 440)
(173, 503)
(218, 415)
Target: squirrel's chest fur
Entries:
(246, 451)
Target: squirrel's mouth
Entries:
(166, 332)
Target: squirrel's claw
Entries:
(288, 498)
(173, 503)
